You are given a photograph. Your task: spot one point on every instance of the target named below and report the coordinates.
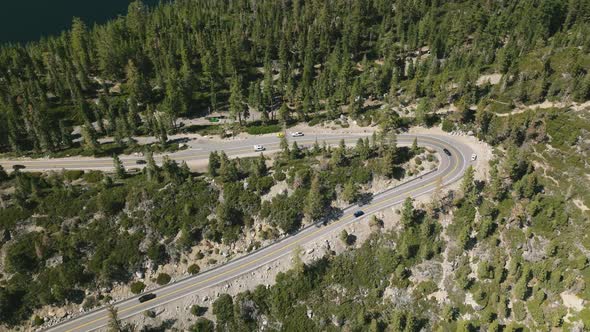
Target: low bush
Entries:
(93, 176)
(163, 279)
(137, 287)
(198, 310)
(263, 129)
(194, 269)
(73, 175)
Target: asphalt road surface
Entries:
(450, 170)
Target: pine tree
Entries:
(162, 132)
(388, 165)
(174, 102)
(338, 157)
(214, 163)
(137, 19)
(314, 202)
(136, 83)
(468, 185)
(114, 323)
(211, 76)
(496, 186)
(408, 214)
(415, 149)
(284, 146)
(89, 137)
(119, 168)
(227, 169)
(362, 149)
(237, 108)
(151, 168)
(259, 168)
(295, 152)
(284, 114)
(356, 100)
(79, 44)
(350, 192)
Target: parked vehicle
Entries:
(140, 162)
(280, 135)
(147, 297)
(473, 157)
(259, 148)
(358, 213)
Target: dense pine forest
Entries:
(289, 60)
(516, 242)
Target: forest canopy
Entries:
(139, 73)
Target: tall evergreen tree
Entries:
(314, 202)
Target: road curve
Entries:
(450, 170)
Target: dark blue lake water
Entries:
(28, 20)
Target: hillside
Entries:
(505, 250)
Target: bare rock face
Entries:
(400, 297)
(337, 321)
(535, 248)
(54, 261)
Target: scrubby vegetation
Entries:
(513, 246)
(499, 253)
(68, 232)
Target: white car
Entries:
(473, 157)
(297, 134)
(259, 148)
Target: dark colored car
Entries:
(447, 152)
(147, 297)
(18, 167)
(140, 162)
(358, 213)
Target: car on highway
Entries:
(447, 152)
(280, 135)
(297, 134)
(358, 213)
(473, 157)
(140, 162)
(259, 148)
(18, 167)
(147, 297)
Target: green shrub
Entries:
(194, 269)
(203, 325)
(263, 129)
(280, 176)
(163, 279)
(112, 201)
(519, 310)
(223, 308)
(37, 321)
(316, 120)
(447, 125)
(137, 287)
(72, 175)
(426, 287)
(197, 310)
(93, 176)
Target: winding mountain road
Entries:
(450, 170)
